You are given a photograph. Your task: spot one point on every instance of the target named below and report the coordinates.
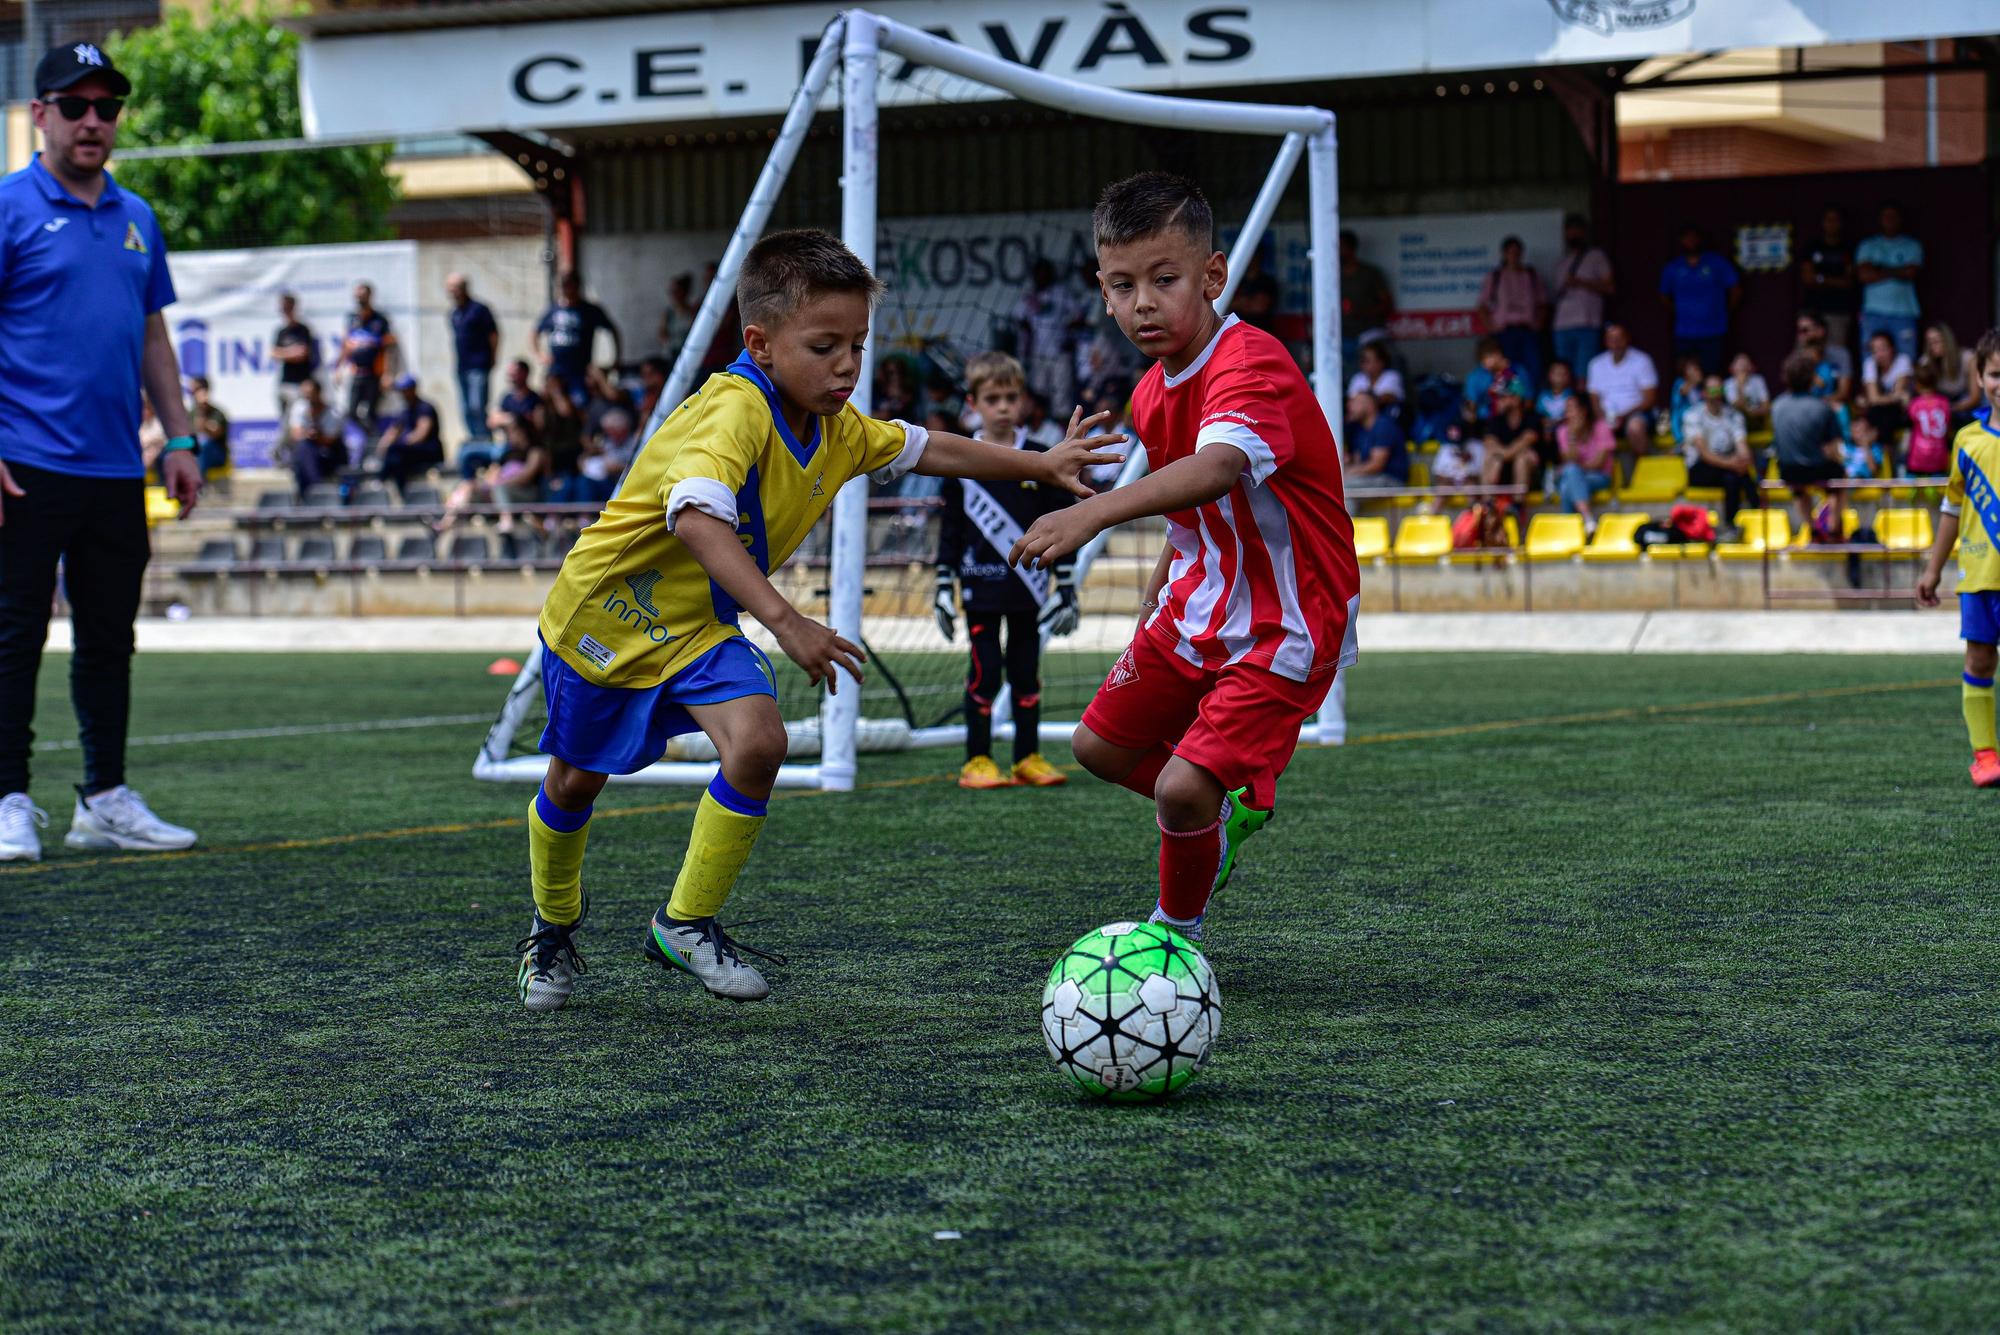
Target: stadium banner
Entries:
(699, 64)
(226, 311)
(1436, 263)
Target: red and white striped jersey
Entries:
(1265, 575)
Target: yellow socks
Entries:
(555, 858)
(726, 826)
(1979, 712)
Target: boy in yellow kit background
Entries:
(1975, 469)
(640, 640)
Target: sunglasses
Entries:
(72, 108)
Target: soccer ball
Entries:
(1131, 1011)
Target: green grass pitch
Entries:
(1579, 992)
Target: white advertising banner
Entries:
(227, 312)
(746, 60)
(1436, 263)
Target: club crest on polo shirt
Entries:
(134, 241)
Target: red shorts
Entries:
(1240, 723)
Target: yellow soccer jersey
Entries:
(631, 606)
(1970, 494)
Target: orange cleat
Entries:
(1986, 769)
(981, 772)
(1036, 772)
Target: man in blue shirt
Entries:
(568, 332)
(366, 352)
(1377, 454)
(476, 337)
(1702, 290)
(1888, 264)
(410, 447)
(83, 279)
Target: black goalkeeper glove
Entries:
(1060, 614)
(944, 603)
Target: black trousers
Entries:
(96, 527)
(1739, 490)
(982, 680)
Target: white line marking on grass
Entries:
(290, 730)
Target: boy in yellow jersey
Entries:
(640, 640)
(1975, 472)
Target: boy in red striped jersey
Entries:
(1250, 611)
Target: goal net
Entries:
(868, 569)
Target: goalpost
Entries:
(836, 731)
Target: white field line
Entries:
(291, 730)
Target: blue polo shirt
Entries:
(1700, 293)
(76, 286)
(472, 331)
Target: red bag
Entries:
(1691, 523)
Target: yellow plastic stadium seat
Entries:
(1422, 538)
(1371, 537)
(160, 508)
(1554, 537)
(1656, 478)
(1772, 526)
(1613, 539)
(1904, 530)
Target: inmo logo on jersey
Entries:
(642, 590)
(640, 613)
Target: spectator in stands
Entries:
(1512, 437)
(1888, 264)
(1806, 435)
(1686, 396)
(514, 481)
(1583, 281)
(1515, 306)
(561, 438)
(677, 321)
(1048, 319)
(1955, 370)
(314, 434)
(295, 350)
(1702, 290)
(1716, 444)
(606, 452)
(1461, 456)
(475, 337)
(1861, 456)
(566, 336)
(1377, 455)
(1931, 427)
(211, 428)
(1747, 393)
(411, 446)
(1483, 382)
(1383, 382)
(1626, 389)
(520, 400)
(1367, 305)
(606, 394)
(365, 354)
(1588, 448)
(1826, 277)
(1043, 429)
(1256, 299)
(895, 396)
(1552, 404)
(1885, 384)
(653, 375)
(1833, 366)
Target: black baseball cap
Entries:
(66, 65)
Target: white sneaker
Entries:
(703, 949)
(121, 819)
(1190, 930)
(19, 819)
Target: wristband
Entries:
(181, 443)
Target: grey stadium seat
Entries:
(268, 549)
(322, 495)
(417, 547)
(217, 552)
(422, 496)
(372, 494)
(471, 547)
(318, 548)
(275, 500)
(368, 547)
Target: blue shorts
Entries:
(1979, 617)
(621, 729)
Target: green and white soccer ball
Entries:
(1131, 1011)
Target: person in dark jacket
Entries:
(982, 521)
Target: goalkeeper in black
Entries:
(1010, 605)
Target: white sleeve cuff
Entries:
(704, 494)
(915, 438)
(1951, 509)
(1263, 462)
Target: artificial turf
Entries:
(1663, 1010)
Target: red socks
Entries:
(1145, 776)
(1188, 863)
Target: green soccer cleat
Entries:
(1239, 822)
(550, 962)
(703, 949)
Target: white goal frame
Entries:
(855, 40)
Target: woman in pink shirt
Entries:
(1514, 305)
(1585, 443)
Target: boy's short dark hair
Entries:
(1800, 372)
(787, 269)
(1989, 346)
(1150, 203)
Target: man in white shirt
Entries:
(1627, 388)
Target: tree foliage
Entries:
(232, 79)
